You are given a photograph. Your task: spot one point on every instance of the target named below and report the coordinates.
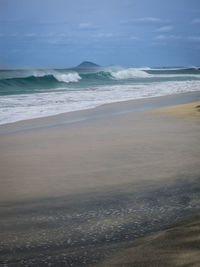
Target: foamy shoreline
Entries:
(107, 109)
(18, 107)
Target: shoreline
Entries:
(108, 109)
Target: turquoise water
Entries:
(32, 81)
(32, 93)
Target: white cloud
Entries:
(148, 19)
(161, 37)
(31, 34)
(164, 29)
(167, 37)
(50, 34)
(196, 21)
(142, 20)
(86, 26)
(104, 35)
(62, 34)
(159, 43)
(134, 38)
(194, 38)
(83, 25)
(14, 34)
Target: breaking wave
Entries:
(36, 81)
(129, 74)
(32, 81)
(68, 77)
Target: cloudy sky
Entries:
(61, 33)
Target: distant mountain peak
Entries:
(87, 64)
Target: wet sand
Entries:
(78, 187)
(178, 245)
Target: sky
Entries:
(61, 33)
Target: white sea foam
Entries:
(67, 77)
(20, 107)
(129, 73)
(61, 77)
(133, 73)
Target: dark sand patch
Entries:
(179, 245)
(83, 229)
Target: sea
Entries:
(34, 93)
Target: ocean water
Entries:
(34, 93)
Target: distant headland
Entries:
(87, 64)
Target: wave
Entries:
(99, 75)
(37, 81)
(129, 73)
(174, 71)
(32, 81)
(117, 74)
(142, 73)
(68, 77)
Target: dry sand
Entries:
(189, 110)
(77, 187)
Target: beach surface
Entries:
(188, 110)
(78, 187)
(178, 245)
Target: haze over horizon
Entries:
(64, 33)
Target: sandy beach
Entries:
(78, 187)
(178, 245)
